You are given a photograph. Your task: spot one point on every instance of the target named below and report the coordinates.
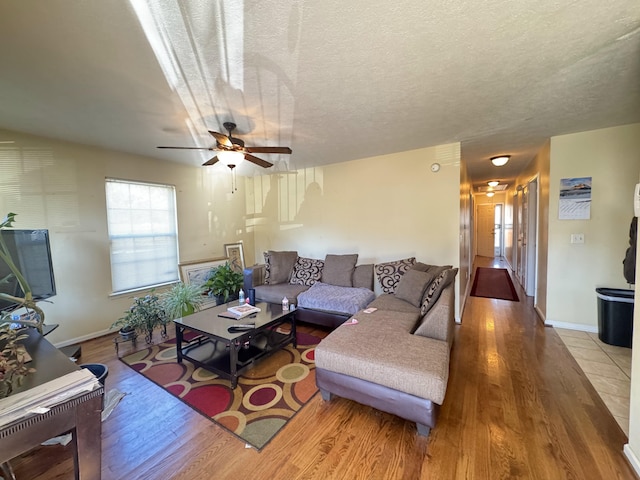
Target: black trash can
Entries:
(615, 316)
(99, 370)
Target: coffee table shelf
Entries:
(229, 354)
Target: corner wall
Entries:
(383, 208)
(610, 157)
(539, 167)
(61, 186)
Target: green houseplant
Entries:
(182, 299)
(144, 316)
(223, 283)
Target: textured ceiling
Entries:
(335, 81)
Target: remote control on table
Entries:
(241, 327)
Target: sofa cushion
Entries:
(388, 301)
(363, 276)
(335, 299)
(278, 266)
(381, 349)
(389, 273)
(338, 269)
(412, 286)
(275, 293)
(433, 291)
(306, 271)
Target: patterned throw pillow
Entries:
(435, 289)
(267, 267)
(389, 273)
(306, 271)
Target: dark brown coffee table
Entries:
(229, 354)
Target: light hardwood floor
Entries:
(517, 406)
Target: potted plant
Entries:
(182, 300)
(13, 360)
(223, 283)
(144, 316)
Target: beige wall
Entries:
(539, 169)
(466, 235)
(610, 157)
(383, 208)
(60, 186)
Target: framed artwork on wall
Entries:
(575, 199)
(235, 254)
(196, 272)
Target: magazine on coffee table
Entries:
(240, 311)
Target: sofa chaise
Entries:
(395, 358)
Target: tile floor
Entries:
(607, 367)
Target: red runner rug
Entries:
(268, 395)
(493, 283)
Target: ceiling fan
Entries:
(232, 150)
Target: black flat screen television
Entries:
(31, 252)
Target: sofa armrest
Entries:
(253, 276)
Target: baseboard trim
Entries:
(633, 459)
(83, 338)
(572, 326)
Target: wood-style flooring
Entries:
(517, 406)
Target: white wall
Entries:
(60, 186)
(611, 157)
(632, 449)
(383, 208)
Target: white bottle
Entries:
(241, 297)
(285, 304)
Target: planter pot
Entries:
(220, 299)
(127, 333)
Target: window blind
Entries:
(143, 234)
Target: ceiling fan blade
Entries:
(286, 150)
(210, 162)
(222, 139)
(257, 161)
(189, 148)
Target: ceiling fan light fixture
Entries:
(493, 183)
(501, 160)
(230, 157)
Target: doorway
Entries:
(489, 230)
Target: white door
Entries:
(523, 222)
(485, 221)
(532, 247)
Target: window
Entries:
(143, 234)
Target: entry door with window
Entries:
(486, 230)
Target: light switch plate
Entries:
(577, 238)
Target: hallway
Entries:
(534, 412)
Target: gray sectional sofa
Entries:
(325, 292)
(393, 352)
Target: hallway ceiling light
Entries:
(501, 160)
(493, 183)
(490, 194)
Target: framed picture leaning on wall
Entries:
(235, 253)
(196, 272)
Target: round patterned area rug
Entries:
(268, 395)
